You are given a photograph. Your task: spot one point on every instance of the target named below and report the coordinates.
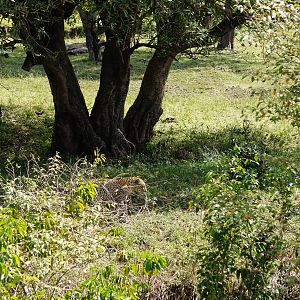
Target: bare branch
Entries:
(139, 45)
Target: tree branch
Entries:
(219, 30)
(139, 45)
(32, 60)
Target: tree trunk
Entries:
(147, 108)
(73, 132)
(108, 111)
(227, 40)
(88, 20)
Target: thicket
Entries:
(251, 214)
(54, 245)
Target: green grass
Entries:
(211, 93)
(211, 99)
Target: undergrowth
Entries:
(239, 239)
(55, 246)
(251, 213)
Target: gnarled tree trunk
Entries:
(108, 111)
(88, 20)
(73, 132)
(147, 108)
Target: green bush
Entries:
(110, 284)
(246, 205)
(12, 231)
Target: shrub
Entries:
(243, 215)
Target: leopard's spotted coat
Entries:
(120, 192)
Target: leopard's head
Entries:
(137, 185)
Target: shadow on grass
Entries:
(238, 62)
(173, 164)
(229, 61)
(204, 143)
(23, 134)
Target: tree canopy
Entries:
(279, 33)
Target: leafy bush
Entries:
(279, 35)
(82, 195)
(247, 205)
(12, 230)
(107, 283)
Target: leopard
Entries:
(125, 193)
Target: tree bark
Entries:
(72, 132)
(146, 110)
(108, 111)
(227, 40)
(88, 20)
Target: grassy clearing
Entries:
(207, 96)
(211, 99)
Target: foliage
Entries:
(279, 35)
(80, 197)
(42, 239)
(16, 14)
(244, 232)
(108, 284)
(12, 230)
(153, 264)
